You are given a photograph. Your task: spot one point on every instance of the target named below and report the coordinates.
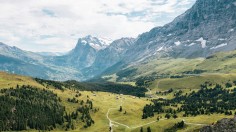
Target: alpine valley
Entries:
(177, 77)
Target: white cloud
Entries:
(24, 22)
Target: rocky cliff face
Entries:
(224, 125)
(208, 27)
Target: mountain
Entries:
(51, 53)
(206, 28)
(109, 56)
(14, 52)
(15, 60)
(84, 54)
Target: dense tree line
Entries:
(208, 100)
(46, 83)
(28, 107)
(104, 87)
(195, 71)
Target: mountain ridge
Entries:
(206, 28)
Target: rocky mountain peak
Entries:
(94, 42)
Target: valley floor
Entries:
(108, 117)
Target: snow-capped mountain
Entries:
(94, 42)
(84, 54)
(109, 56)
(206, 28)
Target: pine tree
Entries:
(141, 130)
(149, 129)
(120, 109)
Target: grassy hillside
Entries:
(222, 62)
(107, 107)
(191, 82)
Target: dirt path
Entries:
(198, 124)
(112, 123)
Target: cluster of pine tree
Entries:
(29, 108)
(57, 85)
(208, 100)
(26, 107)
(85, 113)
(73, 100)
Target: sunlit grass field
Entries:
(132, 105)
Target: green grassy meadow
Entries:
(132, 105)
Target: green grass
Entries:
(161, 66)
(192, 82)
(222, 62)
(133, 106)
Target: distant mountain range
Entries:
(206, 28)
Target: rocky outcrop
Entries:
(224, 125)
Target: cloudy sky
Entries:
(55, 25)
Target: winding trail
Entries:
(113, 123)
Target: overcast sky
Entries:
(56, 25)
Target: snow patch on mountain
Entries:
(96, 46)
(105, 41)
(231, 30)
(203, 42)
(219, 46)
(160, 49)
(191, 44)
(94, 42)
(83, 42)
(177, 43)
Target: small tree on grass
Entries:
(167, 116)
(141, 130)
(175, 116)
(120, 109)
(180, 124)
(149, 129)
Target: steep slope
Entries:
(220, 62)
(109, 56)
(206, 28)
